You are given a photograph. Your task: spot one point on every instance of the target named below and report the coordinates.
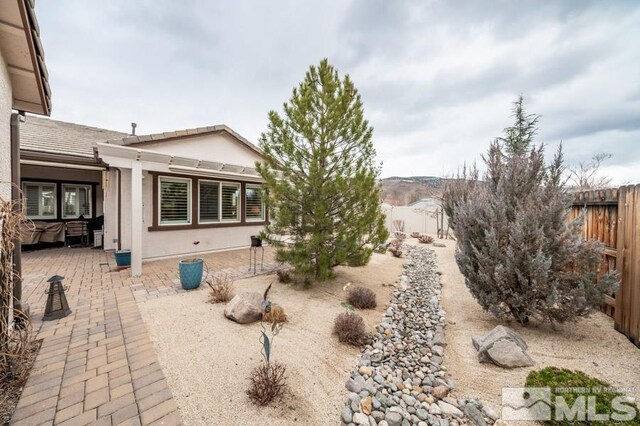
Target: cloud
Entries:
(437, 77)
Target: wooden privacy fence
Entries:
(612, 216)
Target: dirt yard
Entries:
(590, 345)
(208, 358)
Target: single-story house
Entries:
(158, 193)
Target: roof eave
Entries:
(31, 29)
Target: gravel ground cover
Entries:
(401, 379)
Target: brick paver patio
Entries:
(98, 365)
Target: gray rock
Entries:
(244, 308)
(378, 416)
(434, 409)
(361, 419)
(490, 413)
(503, 347)
(408, 399)
(472, 412)
(422, 414)
(347, 415)
(355, 385)
(449, 409)
(393, 418)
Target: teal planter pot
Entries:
(190, 273)
(123, 257)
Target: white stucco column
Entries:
(136, 218)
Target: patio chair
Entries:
(76, 229)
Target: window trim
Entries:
(195, 224)
(208, 222)
(263, 217)
(89, 198)
(40, 184)
(189, 200)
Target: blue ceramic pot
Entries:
(190, 273)
(123, 257)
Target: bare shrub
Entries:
(284, 276)
(395, 247)
(221, 287)
(415, 234)
(361, 298)
(267, 382)
(15, 342)
(398, 225)
(349, 327)
(425, 239)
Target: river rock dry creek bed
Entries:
(400, 379)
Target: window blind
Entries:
(230, 202)
(175, 198)
(209, 201)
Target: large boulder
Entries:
(503, 347)
(244, 308)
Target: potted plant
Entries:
(191, 271)
(123, 257)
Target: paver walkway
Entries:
(98, 365)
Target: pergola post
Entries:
(136, 218)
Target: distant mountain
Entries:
(401, 191)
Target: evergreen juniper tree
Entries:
(321, 180)
(520, 256)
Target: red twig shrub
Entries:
(267, 382)
(425, 239)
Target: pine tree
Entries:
(321, 182)
(519, 255)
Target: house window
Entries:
(76, 201)
(230, 202)
(209, 201)
(39, 200)
(254, 203)
(175, 201)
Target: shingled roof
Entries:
(59, 137)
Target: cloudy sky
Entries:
(437, 77)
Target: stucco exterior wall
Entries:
(157, 244)
(6, 100)
(219, 147)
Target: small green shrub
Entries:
(361, 298)
(562, 380)
(349, 328)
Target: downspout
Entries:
(119, 208)
(16, 119)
